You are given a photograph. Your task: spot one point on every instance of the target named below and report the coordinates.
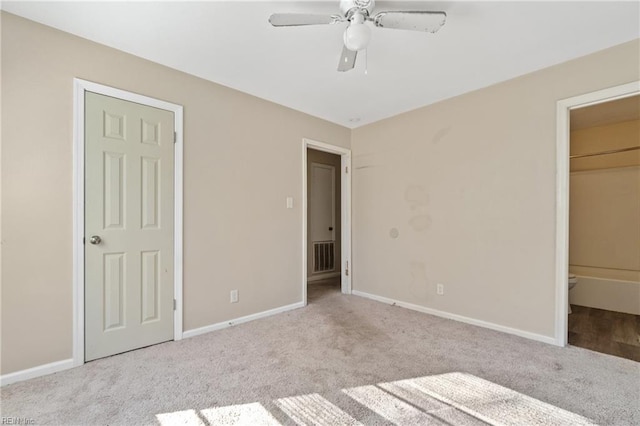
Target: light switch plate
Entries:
(289, 202)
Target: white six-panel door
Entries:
(129, 172)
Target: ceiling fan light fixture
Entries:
(357, 36)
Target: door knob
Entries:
(95, 239)
(331, 228)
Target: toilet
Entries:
(573, 280)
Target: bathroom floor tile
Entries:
(613, 333)
(627, 351)
(624, 331)
(579, 320)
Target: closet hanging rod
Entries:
(612, 151)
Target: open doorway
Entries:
(323, 223)
(326, 220)
(566, 110)
(604, 228)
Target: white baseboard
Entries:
(41, 370)
(54, 367)
(320, 277)
(455, 317)
(231, 323)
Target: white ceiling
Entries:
(232, 43)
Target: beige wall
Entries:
(242, 159)
(470, 185)
(314, 156)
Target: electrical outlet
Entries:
(234, 296)
(440, 289)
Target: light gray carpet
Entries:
(340, 360)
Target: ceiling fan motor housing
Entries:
(349, 7)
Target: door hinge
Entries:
(346, 271)
(175, 304)
(175, 137)
(346, 169)
(83, 240)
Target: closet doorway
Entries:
(598, 234)
(604, 228)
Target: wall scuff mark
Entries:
(440, 134)
(418, 200)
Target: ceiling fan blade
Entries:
(298, 19)
(347, 59)
(410, 20)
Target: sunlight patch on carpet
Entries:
(243, 414)
(186, 417)
(391, 408)
(463, 399)
(445, 399)
(314, 410)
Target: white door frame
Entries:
(345, 212)
(563, 112)
(79, 89)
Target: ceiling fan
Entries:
(357, 34)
